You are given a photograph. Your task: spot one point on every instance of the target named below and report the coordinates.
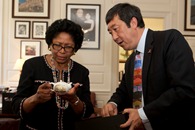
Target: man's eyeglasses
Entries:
(58, 47)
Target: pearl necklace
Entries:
(58, 99)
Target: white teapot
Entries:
(61, 87)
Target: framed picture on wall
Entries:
(30, 8)
(22, 29)
(88, 16)
(30, 49)
(38, 29)
(189, 15)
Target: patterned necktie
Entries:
(137, 82)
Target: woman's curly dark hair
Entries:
(65, 25)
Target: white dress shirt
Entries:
(141, 48)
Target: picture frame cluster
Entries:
(30, 48)
(23, 29)
(34, 29)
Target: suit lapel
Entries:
(147, 59)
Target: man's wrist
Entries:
(143, 115)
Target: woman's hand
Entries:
(72, 98)
(71, 94)
(44, 93)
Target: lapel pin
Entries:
(149, 51)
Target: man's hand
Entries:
(109, 109)
(134, 121)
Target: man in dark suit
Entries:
(168, 74)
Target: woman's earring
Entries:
(49, 49)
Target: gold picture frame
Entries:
(31, 9)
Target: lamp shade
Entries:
(18, 65)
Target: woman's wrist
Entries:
(75, 101)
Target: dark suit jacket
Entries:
(168, 76)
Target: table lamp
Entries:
(18, 65)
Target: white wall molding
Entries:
(1, 41)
